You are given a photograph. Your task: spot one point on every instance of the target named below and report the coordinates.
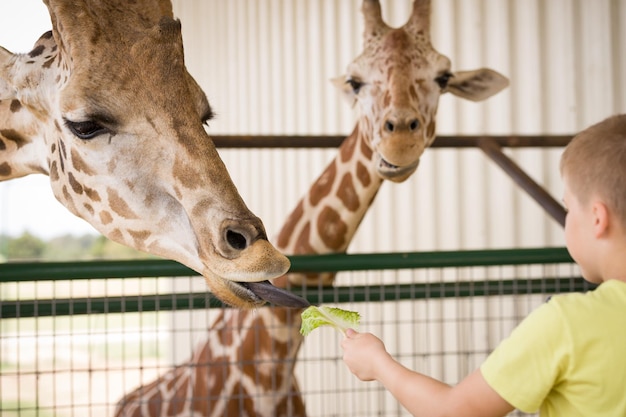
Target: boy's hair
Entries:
(595, 164)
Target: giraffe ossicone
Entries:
(104, 105)
(245, 366)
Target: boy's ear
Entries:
(600, 219)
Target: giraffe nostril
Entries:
(236, 240)
(414, 124)
(389, 126)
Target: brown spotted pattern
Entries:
(262, 353)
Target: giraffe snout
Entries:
(244, 254)
(401, 124)
(401, 142)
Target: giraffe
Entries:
(245, 367)
(104, 106)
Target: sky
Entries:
(27, 204)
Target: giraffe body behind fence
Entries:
(245, 367)
(105, 107)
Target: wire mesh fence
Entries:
(76, 338)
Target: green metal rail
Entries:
(21, 272)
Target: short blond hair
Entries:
(595, 164)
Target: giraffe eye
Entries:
(443, 79)
(355, 84)
(85, 130)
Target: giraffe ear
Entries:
(347, 92)
(476, 85)
(6, 88)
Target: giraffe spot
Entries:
(366, 150)
(48, 63)
(105, 217)
(413, 92)
(15, 106)
(14, 136)
(3, 146)
(76, 186)
(348, 146)
(347, 193)
(287, 230)
(219, 374)
(265, 348)
(116, 235)
(68, 200)
(5, 169)
(155, 403)
(62, 155)
(240, 404)
(292, 402)
(303, 243)
(286, 316)
(387, 99)
(184, 172)
(89, 208)
(179, 398)
(363, 175)
(119, 205)
(92, 194)
(38, 50)
(79, 163)
(139, 237)
(54, 171)
(331, 229)
(430, 130)
(323, 185)
(62, 148)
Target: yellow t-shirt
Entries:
(567, 358)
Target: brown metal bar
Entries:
(494, 151)
(333, 141)
(490, 145)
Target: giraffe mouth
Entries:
(265, 291)
(390, 171)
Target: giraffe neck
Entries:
(327, 217)
(245, 366)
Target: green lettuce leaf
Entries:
(314, 317)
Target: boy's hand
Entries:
(362, 353)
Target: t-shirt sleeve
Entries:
(526, 365)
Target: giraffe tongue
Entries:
(278, 296)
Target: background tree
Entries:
(25, 247)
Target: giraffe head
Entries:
(396, 83)
(105, 106)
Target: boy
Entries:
(568, 357)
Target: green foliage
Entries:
(314, 317)
(25, 247)
(28, 247)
